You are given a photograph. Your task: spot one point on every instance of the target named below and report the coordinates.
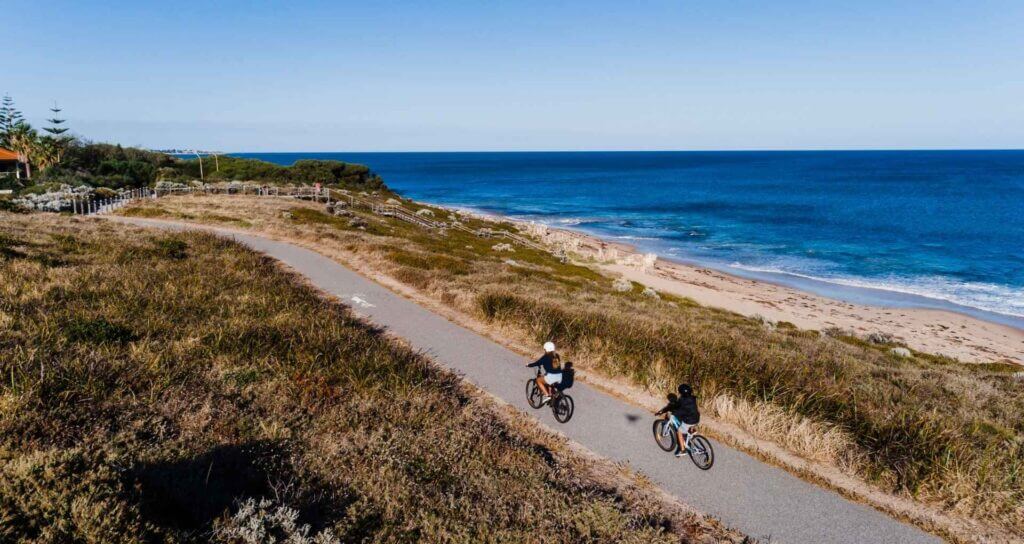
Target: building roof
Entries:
(7, 155)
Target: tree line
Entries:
(54, 157)
(16, 134)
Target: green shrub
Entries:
(171, 248)
(98, 331)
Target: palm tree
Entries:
(22, 138)
(47, 152)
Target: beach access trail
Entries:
(764, 502)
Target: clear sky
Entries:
(525, 75)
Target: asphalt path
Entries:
(763, 501)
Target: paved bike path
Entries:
(762, 501)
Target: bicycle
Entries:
(562, 405)
(699, 448)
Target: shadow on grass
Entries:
(189, 494)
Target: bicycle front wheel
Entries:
(534, 396)
(701, 453)
(564, 408)
(664, 435)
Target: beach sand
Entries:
(933, 331)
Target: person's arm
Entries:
(662, 411)
(538, 362)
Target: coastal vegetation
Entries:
(117, 167)
(58, 158)
(942, 432)
(179, 387)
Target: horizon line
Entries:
(739, 150)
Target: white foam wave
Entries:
(989, 297)
(628, 237)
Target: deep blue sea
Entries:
(939, 229)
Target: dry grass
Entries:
(153, 383)
(928, 427)
(801, 435)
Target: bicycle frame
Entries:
(675, 428)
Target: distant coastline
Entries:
(855, 294)
(926, 325)
(915, 229)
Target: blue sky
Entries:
(391, 76)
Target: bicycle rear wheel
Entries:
(534, 396)
(563, 408)
(664, 435)
(701, 452)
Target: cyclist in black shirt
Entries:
(552, 365)
(682, 414)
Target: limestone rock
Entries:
(879, 338)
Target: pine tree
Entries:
(10, 117)
(53, 145)
(55, 129)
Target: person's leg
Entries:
(543, 387)
(552, 380)
(675, 423)
(684, 433)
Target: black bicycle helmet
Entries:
(684, 390)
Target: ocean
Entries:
(925, 229)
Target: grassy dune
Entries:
(176, 388)
(927, 427)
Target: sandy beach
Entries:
(935, 331)
(960, 336)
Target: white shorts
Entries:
(552, 379)
(675, 422)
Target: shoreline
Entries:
(849, 291)
(940, 331)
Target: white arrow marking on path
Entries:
(362, 303)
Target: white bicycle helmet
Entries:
(549, 347)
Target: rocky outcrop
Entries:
(54, 201)
(339, 208)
